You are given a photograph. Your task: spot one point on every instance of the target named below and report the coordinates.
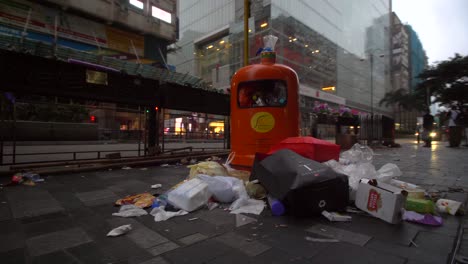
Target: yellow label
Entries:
(262, 122)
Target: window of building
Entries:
(137, 3)
(161, 14)
(263, 93)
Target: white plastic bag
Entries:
(388, 172)
(160, 214)
(357, 154)
(119, 231)
(190, 195)
(224, 189)
(130, 210)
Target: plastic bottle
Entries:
(277, 207)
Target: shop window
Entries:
(161, 14)
(137, 3)
(263, 93)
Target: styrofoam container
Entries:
(190, 195)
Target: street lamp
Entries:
(371, 59)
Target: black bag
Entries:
(305, 187)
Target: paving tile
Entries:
(231, 257)
(130, 187)
(98, 197)
(10, 241)
(31, 202)
(15, 256)
(197, 253)
(192, 238)
(46, 226)
(349, 253)
(277, 256)
(411, 253)
(340, 234)
(162, 248)
(5, 212)
(120, 249)
(51, 242)
(55, 257)
(86, 253)
(433, 241)
(157, 260)
(243, 244)
(140, 235)
(67, 199)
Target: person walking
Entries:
(428, 125)
(454, 129)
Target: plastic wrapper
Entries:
(447, 206)
(119, 231)
(388, 172)
(141, 200)
(247, 206)
(426, 219)
(130, 211)
(240, 174)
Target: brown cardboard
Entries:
(383, 201)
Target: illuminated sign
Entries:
(161, 14)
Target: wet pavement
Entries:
(66, 219)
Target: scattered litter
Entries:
(162, 215)
(321, 240)
(212, 205)
(83, 177)
(193, 161)
(141, 200)
(242, 220)
(254, 235)
(130, 210)
(254, 227)
(255, 190)
(412, 242)
(143, 169)
(281, 225)
(248, 206)
(119, 231)
(164, 165)
(276, 206)
(109, 169)
(167, 230)
(455, 189)
(156, 186)
(414, 191)
(447, 206)
(249, 240)
(184, 161)
(413, 156)
(4, 202)
(67, 166)
(336, 217)
(224, 189)
(353, 210)
(260, 224)
(126, 168)
(426, 219)
(193, 219)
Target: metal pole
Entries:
(139, 130)
(246, 32)
(14, 132)
(371, 136)
(163, 137)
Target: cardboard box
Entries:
(381, 200)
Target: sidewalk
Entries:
(65, 220)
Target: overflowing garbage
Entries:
(298, 177)
(25, 178)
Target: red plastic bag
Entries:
(309, 147)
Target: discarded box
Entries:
(414, 191)
(190, 195)
(381, 200)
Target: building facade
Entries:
(336, 47)
(417, 58)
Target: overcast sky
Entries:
(442, 25)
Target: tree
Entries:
(447, 81)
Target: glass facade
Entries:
(336, 47)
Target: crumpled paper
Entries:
(160, 214)
(119, 231)
(130, 210)
(247, 206)
(141, 200)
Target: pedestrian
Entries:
(428, 125)
(455, 131)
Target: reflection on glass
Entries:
(264, 93)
